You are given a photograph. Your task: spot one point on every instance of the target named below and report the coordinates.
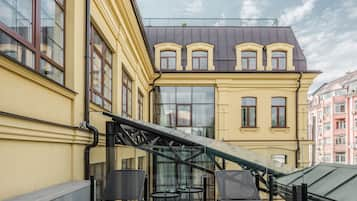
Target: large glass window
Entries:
(128, 163)
(248, 111)
(249, 60)
(278, 112)
(167, 60)
(101, 72)
(126, 95)
(340, 124)
(191, 110)
(278, 60)
(39, 48)
(199, 60)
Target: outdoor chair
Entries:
(236, 185)
(125, 185)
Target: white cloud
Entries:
(249, 9)
(193, 7)
(296, 14)
(351, 8)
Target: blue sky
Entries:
(325, 29)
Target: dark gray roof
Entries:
(332, 181)
(224, 40)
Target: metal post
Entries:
(271, 187)
(257, 181)
(110, 148)
(92, 188)
(110, 145)
(146, 189)
(294, 193)
(204, 188)
(223, 164)
(304, 192)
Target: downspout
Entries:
(150, 92)
(86, 94)
(297, 152)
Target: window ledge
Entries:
(247, 129)
(36, 77)
(97, 108)
(280, 130)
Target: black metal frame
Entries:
(124, 131)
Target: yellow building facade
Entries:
(42, 135)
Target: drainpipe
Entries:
(151, 90)
(297, 152)
(86, 94)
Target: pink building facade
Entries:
(333, 121)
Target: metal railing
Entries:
(210, 22)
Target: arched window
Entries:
(278, 60)
(249, 60)
(199, 60)
(168, 60)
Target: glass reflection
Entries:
(190, 110)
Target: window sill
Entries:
(35, 76)
(248, 129)
(280, 130)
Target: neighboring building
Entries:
(333, 121)
(243, 85)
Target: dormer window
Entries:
(200, 56)
(199, 60)
(249, 60)
(278, 60)
(168, 56)
(168, 60)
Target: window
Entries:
(340, 157)
(278, 112)
(327, 126)
(340, 124)
(140, 106)
(141, 161)
(339, 107)
(126, 95)
(249, 60)
(167, 60)
(101, 72)
(128, 163)
(40, 48)
(183, 115)
(248, 112)
(355, 105)
(278, 60)
(199, 60)
(340, 139)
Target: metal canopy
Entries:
(147, 136)
(324, 181)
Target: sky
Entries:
(325, 29)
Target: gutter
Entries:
(86, 94)
(297, 152)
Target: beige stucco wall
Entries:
(41, 143)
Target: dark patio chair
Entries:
(236, 185)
